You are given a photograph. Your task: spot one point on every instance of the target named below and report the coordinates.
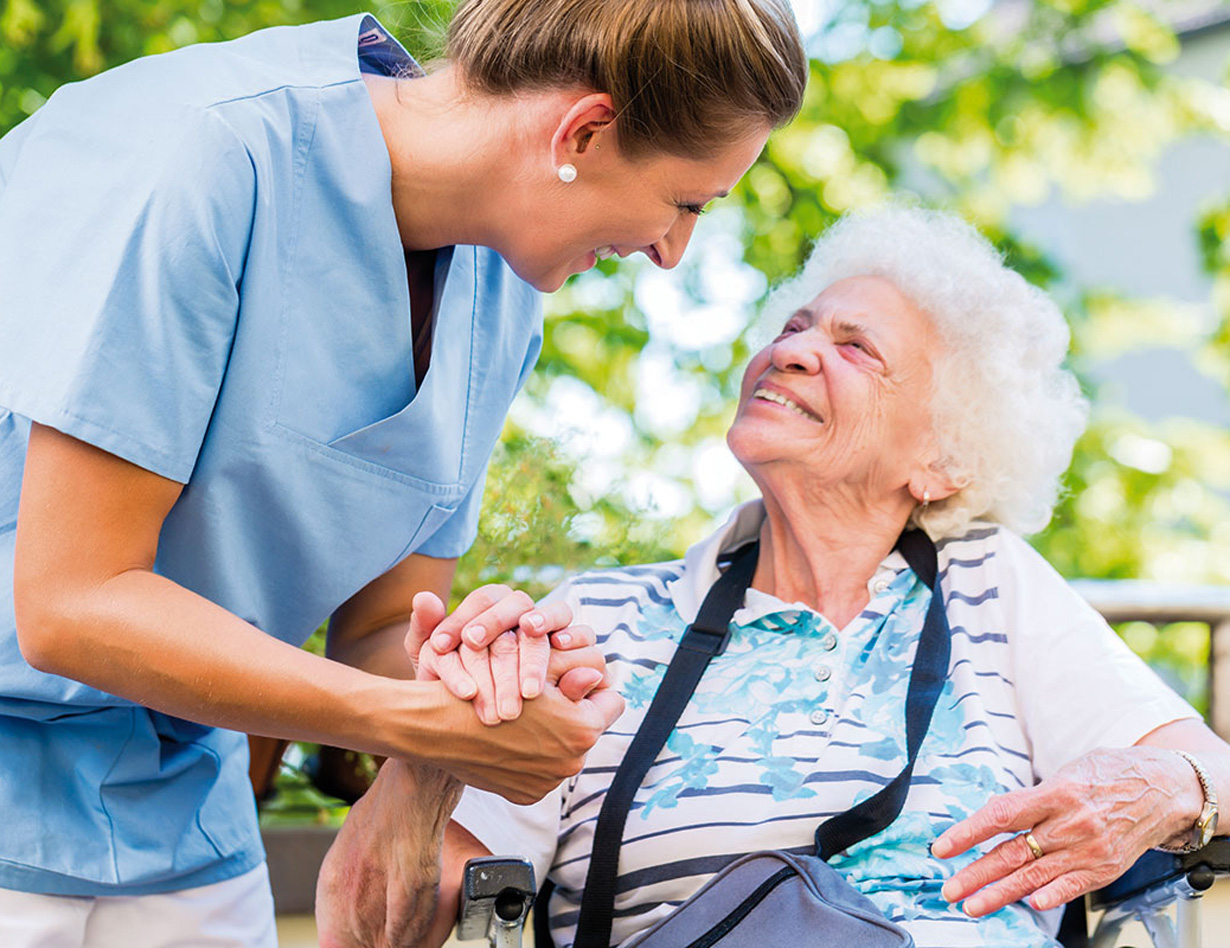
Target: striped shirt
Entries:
(797, 721)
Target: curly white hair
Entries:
(1006, 412)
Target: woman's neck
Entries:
(453, 155)
(824, 553)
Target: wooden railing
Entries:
(1161, 603)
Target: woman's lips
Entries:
(786, 401)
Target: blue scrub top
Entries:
(200, 272)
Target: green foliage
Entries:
(46, 43)
(1069, 98)
(1214, 236)
(296, 799)
(1178, 652)
(533, 529)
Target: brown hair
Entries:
(684, 75)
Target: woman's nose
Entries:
(668, 250)
(798, 352)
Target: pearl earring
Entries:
(567, 173)
(926, 497)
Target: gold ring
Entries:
(1033, 845)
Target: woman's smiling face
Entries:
(619, 205)
(842, 395)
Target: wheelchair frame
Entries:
(1145, 893)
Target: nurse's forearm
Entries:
(142, 637)
(89, 606)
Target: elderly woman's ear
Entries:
(932, 483)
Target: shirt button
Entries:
(881, 585)
(829, 642)
(823, 672)
(818, 717)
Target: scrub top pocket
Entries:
(349, 385)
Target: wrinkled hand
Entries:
(377, 885)
(1092, 820)
(496, 648)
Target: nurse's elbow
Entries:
(46, 627)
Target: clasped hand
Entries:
(497, 648)
(1090, 821)
(378, 884)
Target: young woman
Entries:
(266, 305)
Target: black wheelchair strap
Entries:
(1073, 926)
(542, 916)
(926, 682)
(705, 638)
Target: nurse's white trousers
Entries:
(236, 913)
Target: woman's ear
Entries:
(583, 118)
(933, 484)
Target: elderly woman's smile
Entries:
(849, 369)
(770, 393)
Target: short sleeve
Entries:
(1078, 685)
(123, 231)
(457, 533)
(507, 829)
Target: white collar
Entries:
(701, 571)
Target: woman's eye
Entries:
(694, 209)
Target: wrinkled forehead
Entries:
(870, 298)
(874, 308)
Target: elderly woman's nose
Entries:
(797, 352)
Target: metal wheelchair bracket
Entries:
(496, 895)
(1150, 909)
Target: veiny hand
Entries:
(377, 885)
(495, 648)
(1092, 820)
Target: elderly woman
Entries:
(915, 380)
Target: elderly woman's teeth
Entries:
(782, 400)
(603, 252)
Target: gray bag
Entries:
(771, 899)
(775, 899)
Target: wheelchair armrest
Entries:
(496, 893)
(1157, 868)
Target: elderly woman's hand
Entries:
(1090, 821)
(377, 885)
(497, 648)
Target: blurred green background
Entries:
(998, 109)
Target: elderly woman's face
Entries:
(842, 395)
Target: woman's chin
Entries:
(752, 448)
